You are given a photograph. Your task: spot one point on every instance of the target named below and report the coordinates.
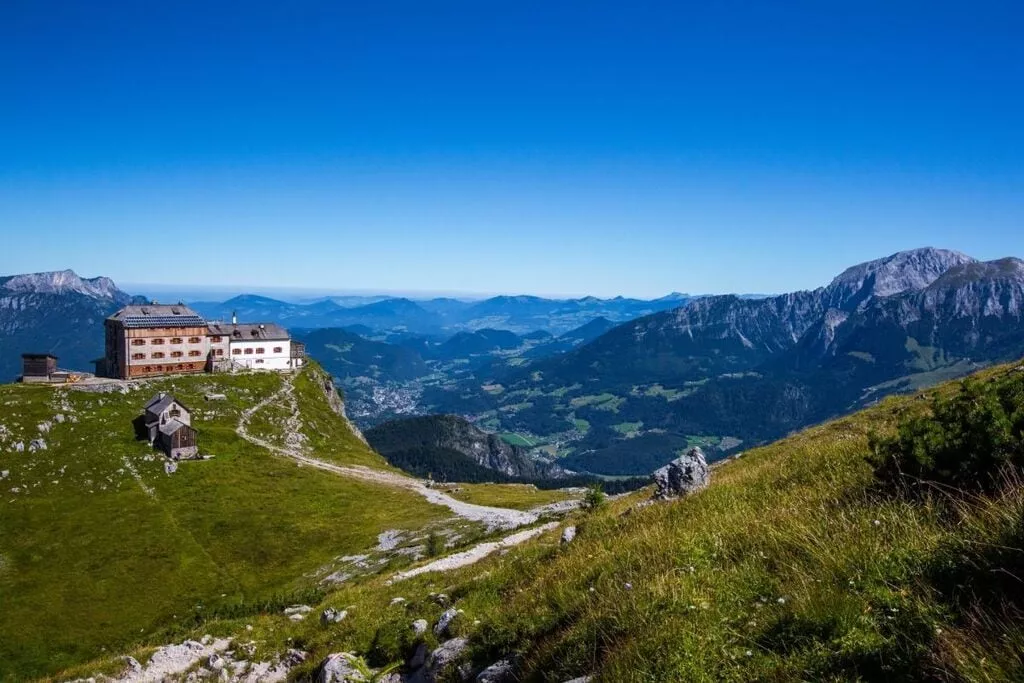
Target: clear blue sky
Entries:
(539, 147)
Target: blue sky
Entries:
(540, 147)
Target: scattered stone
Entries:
(170, 466)
(419, 627)
(37, 445)
(684, 475)
(19, 447)
(568, 534)
(445, 622)
(216, 397)
(332, 616)
(294, 657)
(338, 668)
(442, 599)
(297, 612)
(44, 427)
(397, 601)
(581, 679)
(4, 474)
(58, 418)
(216, 662)
(388, 540)
(133, 665)
(499, 672)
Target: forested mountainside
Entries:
(432, 438)
(742, 370)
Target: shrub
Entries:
(594, 499)
(435, 544)
(965, 440)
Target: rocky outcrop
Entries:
(335, 401)
(454, 434)
(684, 475)
(339, 668)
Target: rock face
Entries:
(338, 668)
(452, 435)
(686, 474)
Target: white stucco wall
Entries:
(271, 361)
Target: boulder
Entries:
(332, 616)
(419, 627)
(37, 445)
(443, 624)
(568, 534)
(499, 672)
(338, 668)
(446, 658)
(684, 475)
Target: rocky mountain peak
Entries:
(62, 282)
(903, 271)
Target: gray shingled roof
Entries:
(171, 426)
(161, 401)
(158, 315)
(250, 331)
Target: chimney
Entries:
(234, 318)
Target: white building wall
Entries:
(271, 360)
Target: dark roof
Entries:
(161, 401)
(158, 315)
(38, 355)
(250, 331)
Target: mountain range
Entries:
(439, 316)
(739, 370)
(57, 312)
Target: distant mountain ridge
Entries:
(55, 312)
(752, 369)
(441, 316)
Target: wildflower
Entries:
(629, 586)
(781, 601)
(749, 653)
(877, 522)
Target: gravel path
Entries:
(476, 553)
(493, 517)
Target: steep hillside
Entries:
(59, 313)
(443, 435)
(101, 547)
(795, 564)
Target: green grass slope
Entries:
(792, 566)
(101, 549)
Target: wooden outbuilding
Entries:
(37, 367)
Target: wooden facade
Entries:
(38, 366)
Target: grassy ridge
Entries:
(101, 549)
(792, 566)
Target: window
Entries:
(278, 349)
(215, 339)
(219, 352)
(148, 368)
(236, 351)
(180, 366)
(138, 342)
(195, 353)
(159, 368)
(260, 349)
(259, 360)
(157, 341)
(176, 354)
(248, 351)
(138, 356)
(194, 340)
(175, 340)
(174, 412)
(158, 354)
